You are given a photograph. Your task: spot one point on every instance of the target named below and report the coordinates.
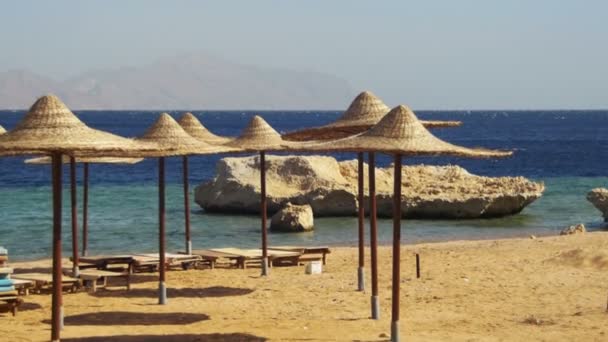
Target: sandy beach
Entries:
(549, 288)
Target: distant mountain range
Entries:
(194, 81)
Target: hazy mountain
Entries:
(184, 82)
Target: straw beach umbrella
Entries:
(193, 126)
(400, 133)
(85, 196)
(49, 127)
(260, 137)
(170, 140)
(364, 111)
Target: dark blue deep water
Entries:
(568, 150)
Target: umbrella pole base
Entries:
(75, 272)
(265, 269)
(162, 293)
(375, 307)
(85, 252)
(61, 317)
(188, 247)
(361, 279)
(395, 331)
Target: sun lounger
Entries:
(307, 251)
(23, 286)
(243, 257)
(99, 278)
(10, 300)
(45, 280)
(209, 257)
(106, 262)
(151, 260)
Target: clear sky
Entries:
(459, 54)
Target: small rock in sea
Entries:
(293, 218)
(576, 229)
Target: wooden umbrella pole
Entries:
(396, 248)
(162, 290)
(74, 207)
(85, 209)
(187, 206)
(373, 236)
(57, 302)
(361, 221)
(263, 213)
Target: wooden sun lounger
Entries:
(92, 277)
(104, 262)
(242, 257)
(151, 260)
(308, 252)
(10, 300)
(23, 286)
(209, 257)
(44, 280)
(246, 256)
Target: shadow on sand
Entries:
(170, 338)
(209, 292)
(133, 318)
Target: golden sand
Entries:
(550, 288)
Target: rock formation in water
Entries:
(293, 218)
(330, 188)
(599, 198)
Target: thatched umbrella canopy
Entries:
(49, 127)
(85, 197)
(170, 139)
(260, 137)
(2, 130)
(399, 133)
(195, 128)
(365, 111)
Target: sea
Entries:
(565, 149)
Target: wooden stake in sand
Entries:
(417, 265)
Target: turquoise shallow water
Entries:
(124, 219)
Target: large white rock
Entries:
(330, 189)
(599, 198)
(293, 218)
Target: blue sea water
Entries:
(567, 150)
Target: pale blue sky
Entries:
(462, 54)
